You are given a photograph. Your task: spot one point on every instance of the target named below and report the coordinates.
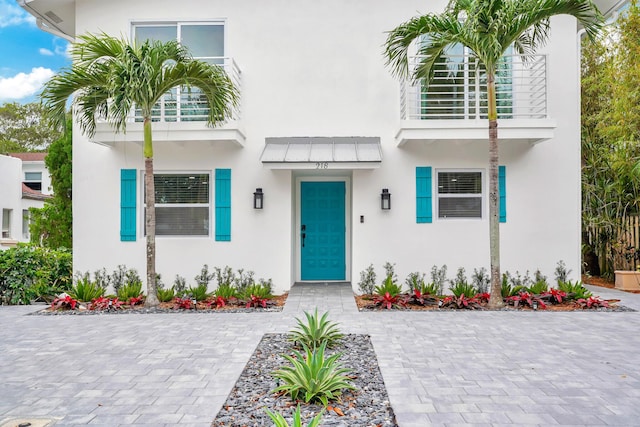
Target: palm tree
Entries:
(111, 76)
(487, 28)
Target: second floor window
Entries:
(205, 41)
(33, 180)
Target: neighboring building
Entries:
(24, 183)
(325, 133)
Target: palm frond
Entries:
(110, 76)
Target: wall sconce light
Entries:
(258, 199)
(385, 199)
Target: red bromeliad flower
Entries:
(218, 302)
(255, 301)
(592, 302)
(555, 294)
(389, 301)
(65, 302)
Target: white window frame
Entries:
(210, 206)
(30, 181)
(175, 95)
(481, 195)
(26, 222)
(179, 25)
(6, 223)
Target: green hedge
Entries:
(29, 273)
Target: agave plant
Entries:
(311, 377)
(315, 331)
(280, 421)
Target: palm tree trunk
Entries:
(150, 216)
(495, 300)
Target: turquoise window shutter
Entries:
(223, 205)
(502, 192)
(424, 199)
(128, 205)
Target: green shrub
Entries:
(481, 280)
(367, 281)
(389, 286)
(439, 277)
(463, 288)
(85, 290)
(226, 291)
(280, 421)
(507, 290)
(460, 286)
(312, 377)
(241, 281)
(180, 285)
(101, 278)
(415, 280)
(166, 295)
(204, 277)
(574, 290)
(429, 289)
(119, 277)
(260, 290)
(130, 290)
(315, 331)
(42, 291)
(30, 272)
(561, 273)
(200, 292)
(538, 287)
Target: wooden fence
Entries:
(617, 248)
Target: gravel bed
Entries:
(366, 406)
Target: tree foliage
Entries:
(51, 226)
(487, 28)
(23, 128)
(610, 141)
(110, 76)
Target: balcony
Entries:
(454, 105)
(181, 116)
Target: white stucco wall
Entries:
(11, 197)
(316, 69)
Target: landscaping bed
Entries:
(273, 304)
(366, 303)
(367, 405)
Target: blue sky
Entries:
(28, 55)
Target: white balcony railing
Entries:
(458, 90)
(183, 105)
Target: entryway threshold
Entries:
(336, 297)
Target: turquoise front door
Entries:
(322, 230)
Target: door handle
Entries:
(303, 235)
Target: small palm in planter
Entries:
(315, 331)
(312, 377)
(280, 421)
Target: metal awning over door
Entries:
(322, 153)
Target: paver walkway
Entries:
(444, 368)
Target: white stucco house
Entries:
(25, 182)
(324, 134)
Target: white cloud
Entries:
(12, 14)
(62, 48)
(45, 52)
(23, 85)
